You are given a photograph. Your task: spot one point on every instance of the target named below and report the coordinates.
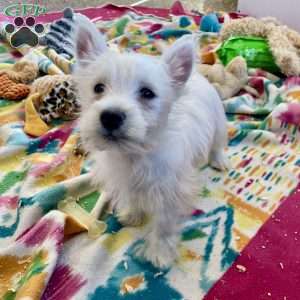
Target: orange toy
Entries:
(12, 91)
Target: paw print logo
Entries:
(24, 32)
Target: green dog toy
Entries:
(255, 50)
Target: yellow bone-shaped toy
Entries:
(80, 219)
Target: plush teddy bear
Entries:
(284, 42)
(228, 80)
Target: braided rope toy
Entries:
(11, 90)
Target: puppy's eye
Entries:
(99, 88)
(146, 93)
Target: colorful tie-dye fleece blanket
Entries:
(42, 258)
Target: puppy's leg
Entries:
(100, 205)
(218, 157)
(219, 160)
(132, 217)
(161, 242)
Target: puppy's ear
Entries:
(88, 41)
(179, 59)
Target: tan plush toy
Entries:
(228, 80)
(14, 79)
(23, 71)
(283, 41)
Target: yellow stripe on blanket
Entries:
(9, 266)
(240, 239)
(10, 109)
(12, 268)
(5, 66)
(248, 210)
(113, 242)
(8, 163)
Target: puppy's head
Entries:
(126, 98)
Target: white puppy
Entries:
(148, 124)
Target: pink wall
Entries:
(287, 11)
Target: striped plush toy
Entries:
(59, 35)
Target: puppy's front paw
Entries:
(161, 253)
(219, 160)
(132, 219)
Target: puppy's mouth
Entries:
(123, 142)
(112, 136)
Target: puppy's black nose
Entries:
(112, 120)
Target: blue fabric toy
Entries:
(210, 23)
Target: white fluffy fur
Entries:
(152, 169)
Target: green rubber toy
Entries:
(255, 50)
